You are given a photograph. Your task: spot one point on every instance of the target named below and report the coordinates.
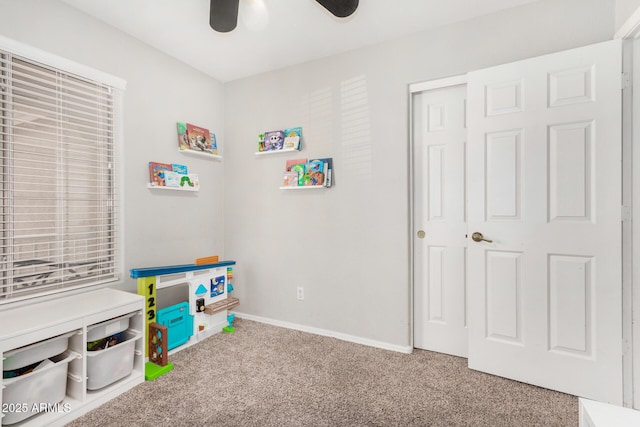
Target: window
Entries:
(58, 204)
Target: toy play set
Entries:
(204, 314)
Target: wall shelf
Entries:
(159, 187)
(284, 150)
(303, 187)
(201, 154)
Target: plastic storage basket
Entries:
(37, 352)
(110, 327)
(23, 396)
(107, 366)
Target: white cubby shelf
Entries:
(36, 331)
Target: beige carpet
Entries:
(263, 375)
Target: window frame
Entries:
(118, 87)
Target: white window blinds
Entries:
(58, 195)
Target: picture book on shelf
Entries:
(291, 179)
(196, 138)
(275, 140)
(304, 172)
(328, 171)
(172, 175)
(157, 173)
(314, 173)
(298, 166)
(178, 180)
(214, 143)
(181, 169)
(292, 162)
(292, 138)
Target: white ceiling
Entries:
(272, 34)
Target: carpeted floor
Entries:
(263, 375)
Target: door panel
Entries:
(439, 139)
(545, 188)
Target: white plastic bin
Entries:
(107, 366)
(110, 327)
(37, 352)
(23, 396)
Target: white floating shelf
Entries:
(303, 187)
(160, 187)
(201, 154)
(284, 150)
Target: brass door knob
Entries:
(478, 237)
(421, 234)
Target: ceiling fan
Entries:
(223, 14)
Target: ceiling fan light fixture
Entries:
(223, 15)
(340, 8)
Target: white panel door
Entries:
(439, 139)
(544, 156)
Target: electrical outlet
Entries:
(300, 294)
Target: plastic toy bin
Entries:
(37, 352)
(23, 395)
(110, 327)
(111, 364)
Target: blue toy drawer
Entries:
(179, 323)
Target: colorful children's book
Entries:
(214, 143)
(292, 162)
(314, 173)
(172, 179)
(190, 181)
(291, 179)
(181, 169)
(292, 138)
(328, 171)
(156, 173)
(196, 138)
(298, 166)
(300, 170)
(273, 140)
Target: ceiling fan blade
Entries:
(223, 15)
(339, 8)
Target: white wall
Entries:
(349, 245)
(161, 228)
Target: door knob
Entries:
(478, 237)
(421, 234)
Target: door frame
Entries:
(413, 89)
(629, 33)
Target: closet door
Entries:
(439, 140)
(544, 167)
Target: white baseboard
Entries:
(598, 414)
(326, 333)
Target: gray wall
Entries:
(349, 245)
(161, 227)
